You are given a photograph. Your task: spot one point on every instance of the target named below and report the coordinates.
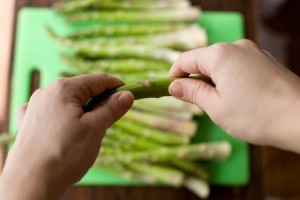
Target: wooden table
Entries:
(255, 189)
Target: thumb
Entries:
(112, 109)
(194, 91)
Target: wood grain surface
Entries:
(7, 13)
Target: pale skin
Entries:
(254, 99)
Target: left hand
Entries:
(58, 142)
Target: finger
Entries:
(91, 85)
(192, 62)
(109, 111)
(195, 91)
(20, 114)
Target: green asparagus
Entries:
(124, 30)
(68, 7)
(159, 136)
(184, 39)
(187, 128)
(119, 66)
(144, 89)
(203, 151)
(165, 174)
(152, 16)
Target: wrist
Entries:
(287, 135)
(23, 178)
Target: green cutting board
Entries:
(36, 51)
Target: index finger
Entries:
(192, 62)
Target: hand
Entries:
(58, 142)
(255, 98)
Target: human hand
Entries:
(255, 98)
(58, 142)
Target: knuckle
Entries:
(93, 123)
(246, 43)
(61, 87)
(222, 48)
(61, 84)
(198, 90)
(103, 75)
(112, 112)
(37, 93)
(180, 58)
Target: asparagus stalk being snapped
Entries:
(144, 89)
(68, 7)
(130, 65)
(124, 30)
(146, 16)
(187, 128)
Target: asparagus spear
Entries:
(161, 111)
(154, 16)
(187, 128)
(197, 186)
(125, 30)
(6, 138)
(190, 167)
(126, 139)
(144, 89)
(143, 51)
(188, 38)
(162, 137)
(126, 51)
(203, 151)
(123, 171)
(129, 65)
(127, 78)
(69, 7)
(166, 103)
(165, 174)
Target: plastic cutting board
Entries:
(36, 51)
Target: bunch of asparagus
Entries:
(138, 32)
(139, 40)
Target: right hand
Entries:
(255, 98)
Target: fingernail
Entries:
(126, 99)
(176, 89)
